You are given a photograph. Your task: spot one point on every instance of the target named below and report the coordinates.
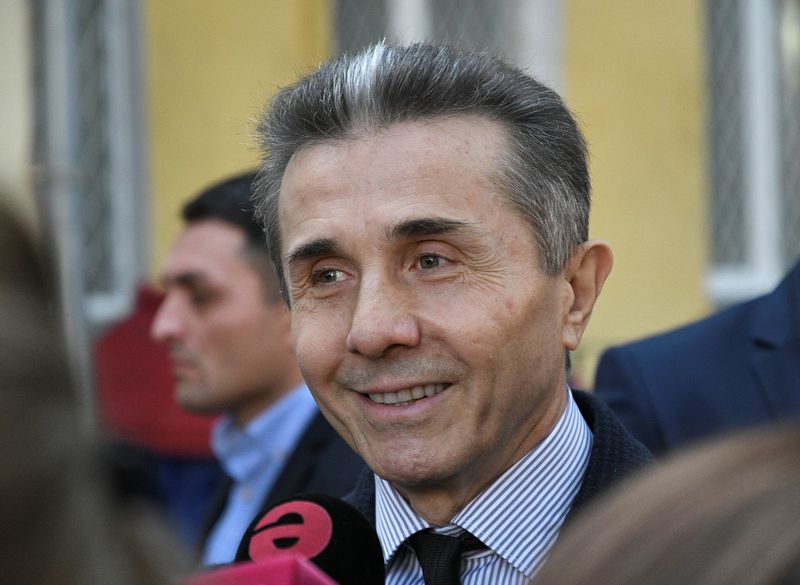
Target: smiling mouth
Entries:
(408, 395)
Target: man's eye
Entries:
(200, 298)
(429, 261)
(329, 276)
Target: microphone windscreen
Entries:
(331, 533)
(279, 570)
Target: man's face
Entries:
(422, 321)
(229, 346)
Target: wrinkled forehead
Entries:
(424, 152)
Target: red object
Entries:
(135, 388)
(278, 570)
(311, 536)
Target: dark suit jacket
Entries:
(737, 368)
(322, 463)
(614, 454)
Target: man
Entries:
(165, 459)
(229, 339)
(735, 369)
(427, 211)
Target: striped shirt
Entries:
(518, 517)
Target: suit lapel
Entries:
(301, 463)
(216, 508)
(778, 372)
(776, 339)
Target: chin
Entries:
(190, 399)
(411, 472)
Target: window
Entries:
(88, 151)
(88, 163)
(754, 137)
(528, 32)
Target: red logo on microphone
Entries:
(298, 527)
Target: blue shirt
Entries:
(253, 457)
(518, 517)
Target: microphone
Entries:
(325, 530)
(279, 570)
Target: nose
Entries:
(382, 319)
(167, 325)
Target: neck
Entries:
(439, 506)
(242, 416)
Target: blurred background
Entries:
(116, 111)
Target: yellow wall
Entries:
(634, 71)
(211, 67)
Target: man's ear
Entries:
(585, 274)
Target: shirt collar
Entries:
(519, 515)
(269, 436)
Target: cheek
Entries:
(318, 345)
(488, 322)
(512, 332)
(239, 336)
(211, 337)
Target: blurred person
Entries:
(427, 211)
(60, 525)
(157, 450)
(721, 513)
(737, 368)
(229, 339)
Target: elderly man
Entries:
(427, 210)
(229, 337)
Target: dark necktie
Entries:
(440, 555)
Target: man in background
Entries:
(157, 450)
(229, 338)
(735, 369)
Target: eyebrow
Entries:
(311, 250)
(186, 279)
(411, 228)
(426, 226)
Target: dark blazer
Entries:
(321, 463)
(614, 454)
(734, 369)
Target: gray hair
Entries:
(544, 172)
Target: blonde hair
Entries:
(58, 525)
(727, 512)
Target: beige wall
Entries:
(634, 71)
(16, 120)
(211, 66)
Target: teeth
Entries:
(407, 394)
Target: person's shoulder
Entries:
(362, 496)
(615, 452)
(713, 328)
(321, 462)
(731, 325)
(609, 434)
(700, 345)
